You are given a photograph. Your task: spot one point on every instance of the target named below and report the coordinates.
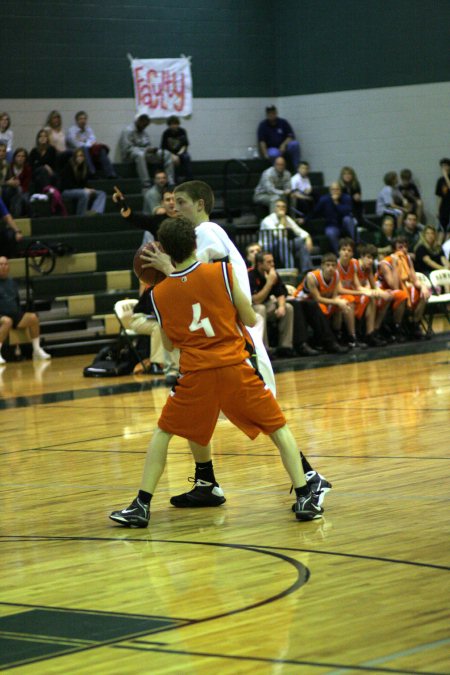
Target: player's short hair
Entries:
(400, 240)
(328, 257)
(390, 178)
(177, 237)
(368, 249)
(173, 119)
(406, 174)
(346, 241)
(249, 246)
(198, 189)
(79, 114)
(259, 257)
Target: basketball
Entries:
(149, 275)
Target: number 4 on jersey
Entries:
(198, 324)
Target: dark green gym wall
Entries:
(335, 45)
(239, 48)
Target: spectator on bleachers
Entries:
(57, 138)
(349, 184)
(7, 134)
(175, 140)
(153, 196)
(390, 200)
(10, 234)
(166, 207)
(442, 192)
(277, 138)
(336, 208)
(12, 316)
(167, 204)
(42, 160)
(136, 146)
(287, 241)
(275, 182)
(250, 251)
(74, 179)
(80, 135)
(429, 254)
(302, 196)
(269, 301)
(3, 164)
(410, 192)
(411, 230)
(384, 237)
(322, 286)
(16, 188)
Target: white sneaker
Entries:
(40, 355)
(2, 361)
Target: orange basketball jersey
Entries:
(347, 275)
(195, 308)
(326, 290)
(363, 275)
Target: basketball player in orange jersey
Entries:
(365, 279)
(361, 293)
(389, 279)
(207, 323)
(324, 287)
(195, 200)
(418, 294)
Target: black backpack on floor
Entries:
(117, 359)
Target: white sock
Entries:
(36, 344)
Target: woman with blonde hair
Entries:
(429, 253)
(74, 179)
(349, 183)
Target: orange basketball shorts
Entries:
(328, 310)
(194, 404)
(399, 296)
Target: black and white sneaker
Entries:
(203, 494)
(307, 508)
(136, 515)
(318, 484)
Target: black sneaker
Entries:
(374, 340)
(318, 484)
(307, 508)
(335, 348)
(354, 343)
(136, 515)
(203, 494)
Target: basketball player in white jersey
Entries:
(195, 200)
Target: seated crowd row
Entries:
(60, 164)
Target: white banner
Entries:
(162, 87)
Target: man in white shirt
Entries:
(287, 241)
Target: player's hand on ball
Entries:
(153, 257)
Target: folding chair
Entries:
(441, 278)
(434, 299)
(123, 309)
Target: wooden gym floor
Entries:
(243, 588)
